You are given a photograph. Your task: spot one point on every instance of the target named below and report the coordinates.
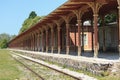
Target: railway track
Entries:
(39, 76)
(44, 65)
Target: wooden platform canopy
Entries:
(82, 9)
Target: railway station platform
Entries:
(105, 62)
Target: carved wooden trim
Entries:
(66, 18)
(51, 25)
(79, 13)
(95, 7)
(118, 2)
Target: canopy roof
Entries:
(70, 5)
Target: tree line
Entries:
(4, 39)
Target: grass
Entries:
(8, 66)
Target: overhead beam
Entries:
(68, 8)
(81, 0)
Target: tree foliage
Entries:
(3, 43)
(32, 15)
(109, 18)
(4, 39)
(30, 21)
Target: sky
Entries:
(14, 12)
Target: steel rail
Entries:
(29, 69)
(76, 78)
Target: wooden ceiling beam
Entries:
(81, 0)
(67, 8)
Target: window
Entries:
(85, 40)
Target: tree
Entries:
(3, 43)
(110, 18)
(4, 36)
(30, 21)
(32, 15)
(4, 39)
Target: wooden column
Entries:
(95, 35)
(28, 43)
(38, 41)
(32, 42)
(46, 40)
(59, 39)
(79, 13)
(119, 28)
(82, 37)
(79, 37)
(52, 40)
(103, 25)
(42, 41)
(35, 35)
(95, 7)
(67, 39)
(23, 44)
